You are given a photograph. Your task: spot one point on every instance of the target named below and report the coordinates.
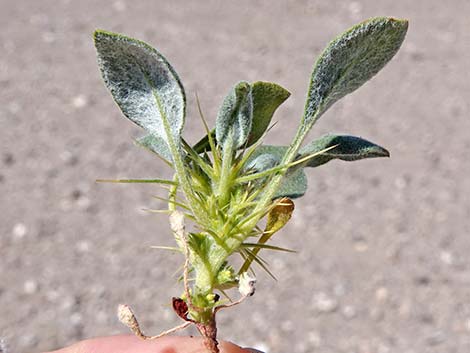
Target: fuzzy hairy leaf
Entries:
(294, 184)
(156, 145)
(350, 60)
(142, 82)
(347, 63)
(235, 116)
(200, 245)
(348, 148)
(267, 97)
(262, 162)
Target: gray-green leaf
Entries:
(142, 83)
(267, 97)
(235, 116)
(350, 60)
(156, 145)
(294, 183)
(348, 148)
(262, 162)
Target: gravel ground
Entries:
(383, 263)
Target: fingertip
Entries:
(133, 344)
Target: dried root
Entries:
(181, 307)
(127, 317)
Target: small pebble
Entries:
(324, 303)
(83, 246)
(3, 346)
(361, 246)
(19, 230)
(79, 101)
(349, 312)
(314, 339)
(381, 294)
(30, 286)
(447, 258)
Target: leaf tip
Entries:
(402, 25)
(385, 153)
(99, 33)
(100, 36)
(379, 151)
(400, 21)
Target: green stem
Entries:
(276, 180)
(172, 194)
(225, 173)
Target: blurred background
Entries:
(383, 263)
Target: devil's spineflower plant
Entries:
(229, 181)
